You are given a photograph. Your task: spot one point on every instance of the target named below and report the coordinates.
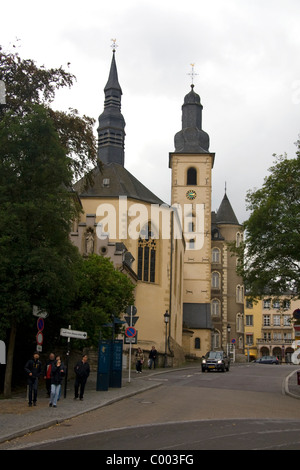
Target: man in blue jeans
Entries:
(82, 371)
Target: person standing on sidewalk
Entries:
(33, 369)
(152, 357)
(57, 375)
(82, 371)
(47, 372)
(139, 356)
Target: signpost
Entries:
(68, 333)
(41, 314)
(131, 333)
(73, 333)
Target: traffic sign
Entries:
(39, 338)
(130, 332)
(131, 310)
(131, 340)
(73, 333)
(233, 341)
(38, 312)
(131, 320)
(40, 324)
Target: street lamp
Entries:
(166, 319)
(228, 338)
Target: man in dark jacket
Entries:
(33, 369)
(82, 371)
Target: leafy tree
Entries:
(36, 210)
(103, 292)
(42, 151)
(270, 257)
(27, 84)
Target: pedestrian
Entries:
(57, 375)
(33, 369)
(47, 372)
(139, 356)
(152, 357)
(82, 371)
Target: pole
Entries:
(129, 365)
(67, 364)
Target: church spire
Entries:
(192, 139)
(111, 130)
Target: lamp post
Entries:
(228, 338)
(166, 319)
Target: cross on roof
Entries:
(192, 73)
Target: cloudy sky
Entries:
(247, 60)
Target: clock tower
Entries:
(191, 166)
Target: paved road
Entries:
(242, 409)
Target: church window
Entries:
(215, 280)
(197, 343)
(215, 255)
(147, 252)
(192, 177)
(215, 308)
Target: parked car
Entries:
(215, 360)
(267, 360)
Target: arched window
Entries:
(216, 339)
(215, 308)
(239, 294)
(197, 343)
(192, 177)
(147, 252)
(215, 280)
(215, 255)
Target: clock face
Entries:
(191, 194)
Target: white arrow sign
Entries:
(73, 333)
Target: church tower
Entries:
(191, 166)
(111, 130)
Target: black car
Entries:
(215, 360)
(268, 360)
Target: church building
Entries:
(176, 255)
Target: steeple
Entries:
(225, 214)
(111, 130)
(192, 139)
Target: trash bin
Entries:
(298, 377)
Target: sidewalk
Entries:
(17, 418)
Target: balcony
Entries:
(273, 342)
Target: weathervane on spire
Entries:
(114, 45)
(192, 74)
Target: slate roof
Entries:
(225, 214)
(115, 181)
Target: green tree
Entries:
(42, 151)
(270, 256)
(26, 84)
(103, 292)
(36, 210)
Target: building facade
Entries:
(165, 249)
(269, 328)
